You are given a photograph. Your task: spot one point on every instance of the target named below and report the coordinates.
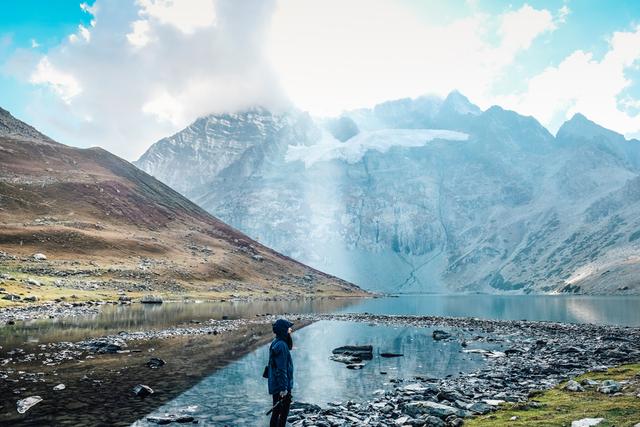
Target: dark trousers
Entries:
(280, 414)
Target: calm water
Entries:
(623, 310)
(605, 310)
(237, 393)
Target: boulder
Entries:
(11, 297)
(39, 257)
(481, 408)
(31, 298)
(33, 282)
(59, 387)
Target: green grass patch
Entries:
(559, 407)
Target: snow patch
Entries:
(352, 150)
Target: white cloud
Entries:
(145, 70)
(34, 44)
(581, 83)
(64, 84)
(334, 55)
(139, 36)
(563, 12)
(187, 16)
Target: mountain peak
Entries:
(459, 103)
(581, 127)
(14, 128)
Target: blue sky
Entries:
(123, 73)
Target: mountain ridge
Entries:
(511, 209)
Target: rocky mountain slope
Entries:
(423, 195)
(104, 225)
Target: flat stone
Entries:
(587, 422)
(25, 404)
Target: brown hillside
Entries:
(106, 226)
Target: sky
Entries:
(122, 74)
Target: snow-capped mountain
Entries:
(422, 195)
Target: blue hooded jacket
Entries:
(280, 363)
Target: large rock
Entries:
(39, 257)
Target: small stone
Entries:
(610, 387)
(142, 390)
(155, 363)
(440, 335)
(573, 386)
(33, 282)
(39, 257)
(60, 387)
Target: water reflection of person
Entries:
(280, 372)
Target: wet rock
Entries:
(440, 335)
(356, 366)
(171, 419)
(363, 352)
(389, 355)
(25, 404)
(587, 422)
(573, 386)
(142, 390)
(155, 363)
(124, 298)
(59, 387)
(610, 387)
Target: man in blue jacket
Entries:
(280, 372)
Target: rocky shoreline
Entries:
(522, 358)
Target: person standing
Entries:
(280, 372)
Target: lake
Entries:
(236, 395)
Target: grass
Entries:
(559, 407)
